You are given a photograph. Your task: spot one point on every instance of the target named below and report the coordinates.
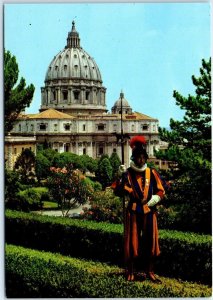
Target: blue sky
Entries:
(146, 49)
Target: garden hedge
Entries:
(31, 274)
(183, 255)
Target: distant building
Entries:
(73, 116)
(13, 147)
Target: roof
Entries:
(141, 116)
(55, 114)
(50, 114)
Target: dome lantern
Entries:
(73, 40)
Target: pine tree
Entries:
(16, 97)
(189, 145)
(190, 139)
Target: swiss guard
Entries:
(143, 188)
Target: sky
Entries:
(148, 50)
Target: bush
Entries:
(105, 207)
(183, 255)
(31, 274)
(29, 199)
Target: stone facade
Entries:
(13, 147)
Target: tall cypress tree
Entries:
(17, 96)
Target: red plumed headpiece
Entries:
(137, 141)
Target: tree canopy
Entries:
(17, 96)
(189, 146)
(190, 139)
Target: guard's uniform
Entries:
(140, 226)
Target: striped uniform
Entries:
(140, 226)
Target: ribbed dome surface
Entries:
(73, 63)
(124, 103)
(73, 82)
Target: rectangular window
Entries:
(84, 151)
(55, 127)
(43, 127)
(101, 151)
(87, 95)
(145, 127)
(84, 127)
(101, 127)
(67, 127)
(76, 95)
(65, 95)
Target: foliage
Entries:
(183, 255)
(35, 274)
(115, 163)
(89, 163)
(104, 172)
(29, 199)
(18, 97)
(68, 188)
(105, 207)
(12, 187)
(95, 185)
(190, 148)
(62, 159)
(25, 164)
(42, 166)
(49, 154)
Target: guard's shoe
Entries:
(130, 277)
(153, 277)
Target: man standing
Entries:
(144, 189)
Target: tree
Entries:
(105, 172)
(68, 187)
(89, 163)
(189, 146)
(115, 163)
(16, 97)
(42, 166)
(25, 164)
(190, 139)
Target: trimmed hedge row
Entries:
(183, 255)
(31, 273)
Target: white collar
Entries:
(135, 168)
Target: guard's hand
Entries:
(121, 169)
(154, 200)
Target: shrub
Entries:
(31, 274)
(105, 207)
(184, 255)
(29, 199)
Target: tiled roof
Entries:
(141, 116)
(50, 114)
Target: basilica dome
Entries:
(73, 80)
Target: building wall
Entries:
(14, 146)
